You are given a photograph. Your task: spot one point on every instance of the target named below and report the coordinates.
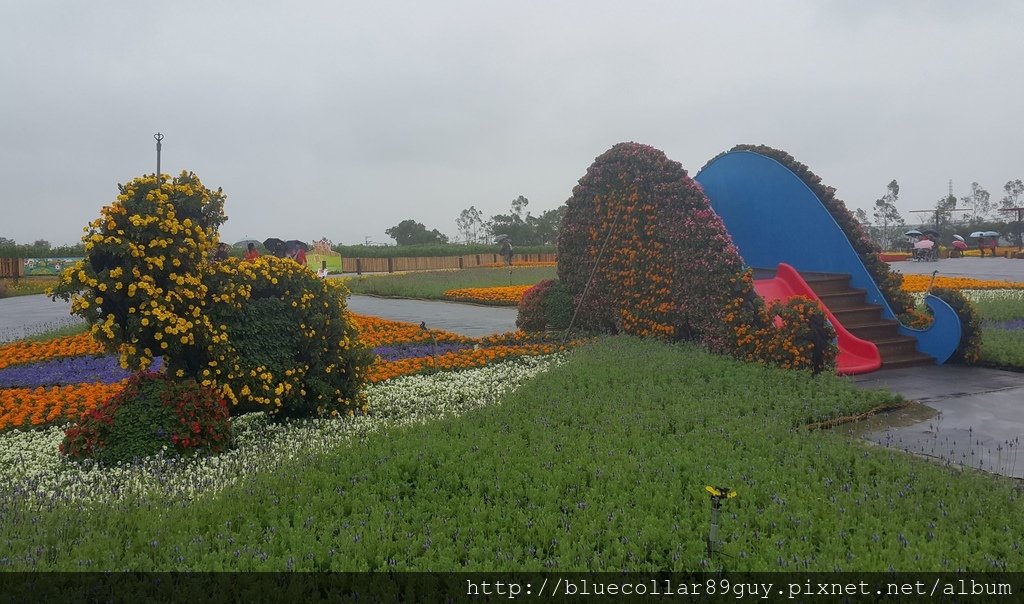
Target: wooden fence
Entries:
(12, 267)
(433, 263)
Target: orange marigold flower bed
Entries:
(67, 346)
(374, 331)
(32, 407)
(507, 294)
(919, 283)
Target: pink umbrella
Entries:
(924, 244)
(960, 245)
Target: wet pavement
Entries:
(998, 269)
(22, 316)
(977, 422)
(972, 416)
(466, 319)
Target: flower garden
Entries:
(279, 431)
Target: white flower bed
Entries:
(33, 469)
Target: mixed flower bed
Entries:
(56, 381)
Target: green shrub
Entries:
(969, 349)
(288, 346)
(558, 308)
(153, 413)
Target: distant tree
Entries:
(4, 241)
(410, 232)
(41, 243)
(887, 216)
(862, 217)
(944, 210)
(1014, 190)
(470, 224)
(545, 227)
(979, 202)
(514, 223)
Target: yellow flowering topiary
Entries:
(267, 334)
(141, 284)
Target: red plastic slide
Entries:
(855, 355)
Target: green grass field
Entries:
(599, 464)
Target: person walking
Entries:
(506, 251)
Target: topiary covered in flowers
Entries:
(665, 265)
(668, 265)
(888, 281)
(266, 334)
(141, 284)
(153, 413)
(288, 345)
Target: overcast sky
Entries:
(341, 119)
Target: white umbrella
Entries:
(977, 234)
(924, 244)
(990, 234)
(913, 233)
(958, 238)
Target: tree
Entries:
(41, 243)
(544, 228)
(979, 203)
(886, 213)
(410, 232)
(944, 210)
(470, 223)
(862, 217)
(1014, 190)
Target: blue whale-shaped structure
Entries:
(773, 217)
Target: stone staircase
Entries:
(850, 307)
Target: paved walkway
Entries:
(973, 416)
(22, 316)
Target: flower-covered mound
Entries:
(58, 380)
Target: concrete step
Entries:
(868, 313)
(839, 300)
(899, 346)
(916, 359)
(822, 283)
(881, 330)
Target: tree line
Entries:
(976, 211)
(519, 225)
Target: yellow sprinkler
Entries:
(717, 495)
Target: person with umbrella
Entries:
(959, 245)
(506, 249)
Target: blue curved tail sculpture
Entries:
(773, 218)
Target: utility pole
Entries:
(159, 137)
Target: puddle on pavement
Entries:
(909, 415)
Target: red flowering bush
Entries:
(153, 413)
(531, 307)
(548, 304)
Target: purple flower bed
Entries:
(1011, 325)
(67, 371)
(410, 351)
